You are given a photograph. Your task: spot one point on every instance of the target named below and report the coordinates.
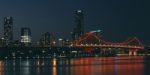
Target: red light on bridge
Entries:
(88, 50)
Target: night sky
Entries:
(118, 19)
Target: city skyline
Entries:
(117, 22)
(74, 37)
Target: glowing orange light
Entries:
(54, 62)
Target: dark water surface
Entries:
(135, 65)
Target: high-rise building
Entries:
(78, 31)
(63, 42)
(8, 30)
(47, 40)
(25, 36)
(2, 42)
(53, 39)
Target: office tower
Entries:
(53, 39)
(25, 36)
(2, 42)
(63, 42)
(45, 40)
(78, 31)
(8, 30)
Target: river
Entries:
(132, 65)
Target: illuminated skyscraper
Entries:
(25, 36)
(8, 30)
(78, 31)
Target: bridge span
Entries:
(94, 40)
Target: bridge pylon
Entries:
(133, 52)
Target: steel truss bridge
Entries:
(95, 40)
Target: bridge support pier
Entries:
(133, 52)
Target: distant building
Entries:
(8, 30)
(25, 36)
(16, 43)
(97, 32)
(64, 42)
(47, 40)
(53, 40)
(2, 42)
(78, 31)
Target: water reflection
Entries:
(54, 62)
(54, 71)
(1, 68)
(26, 69)
(79, 66)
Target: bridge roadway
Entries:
(133, 50)
(111, 46)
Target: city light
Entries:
(25, 39)
(74, 37)
(51, 46)
(60, 39)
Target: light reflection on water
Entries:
(79, 66)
